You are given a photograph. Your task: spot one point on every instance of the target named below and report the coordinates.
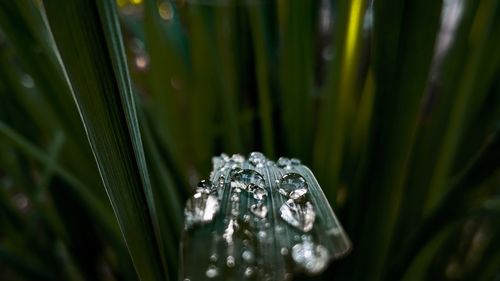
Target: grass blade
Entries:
(88, 37)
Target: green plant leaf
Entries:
(88, 37)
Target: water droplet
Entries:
(247, 178)
(27, 81)
(201, 208)
(311, 257)
(247, 256)
(235, 198)
(230, 261)
(284, 162)
(165, 10)
(258, 192)
(257, 159)
(213, 257)
(238, 158)
(301, 216)
(21, 201)
(262, 235)
(293, 186)
(141, 61)
(229, 231)
(295, 161)
(212, 271)
(187, 279)
(284, 251)
(249, 272)
(260, 210)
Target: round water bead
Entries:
(258, 192)
(212, 271)
(294, 186)
(246, 179)
(257, 159)
(260, 210)
(311, 257)
(284, 162)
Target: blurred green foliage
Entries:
(110, 113)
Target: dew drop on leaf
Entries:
(311, 257)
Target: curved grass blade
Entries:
(88, 37)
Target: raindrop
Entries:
(284, 162)
(21, 201)
(278, 228)
(262, 235)
(248, 272)
(212, 271)
(165, 10)
(257, 159)
(235, 198)
(238, 158)
(213, 257)
(224, 157)
(201, 208)
(300, 216)
(258, 192)
(230, 261)
(141, 61)
(284, 251)
(311, 257)
(27, 81)
(247, 178)
(293, 186)
(247, 256)
(260, 210)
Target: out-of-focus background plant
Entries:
(110, 113)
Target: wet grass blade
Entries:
(88, 37)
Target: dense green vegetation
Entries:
(110, 113)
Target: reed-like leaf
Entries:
(88, 37)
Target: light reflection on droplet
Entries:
(213, 258)
(21, 201)
(248, 272)
(212, 271)
(165, 10)
(27, 81)
(141, 62)
(313, 258)
(230, 261)
(247, 256)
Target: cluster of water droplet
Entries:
(245, 178)
(299, 212)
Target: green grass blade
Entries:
(400, 77)
(485, 32)
(88, 37)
